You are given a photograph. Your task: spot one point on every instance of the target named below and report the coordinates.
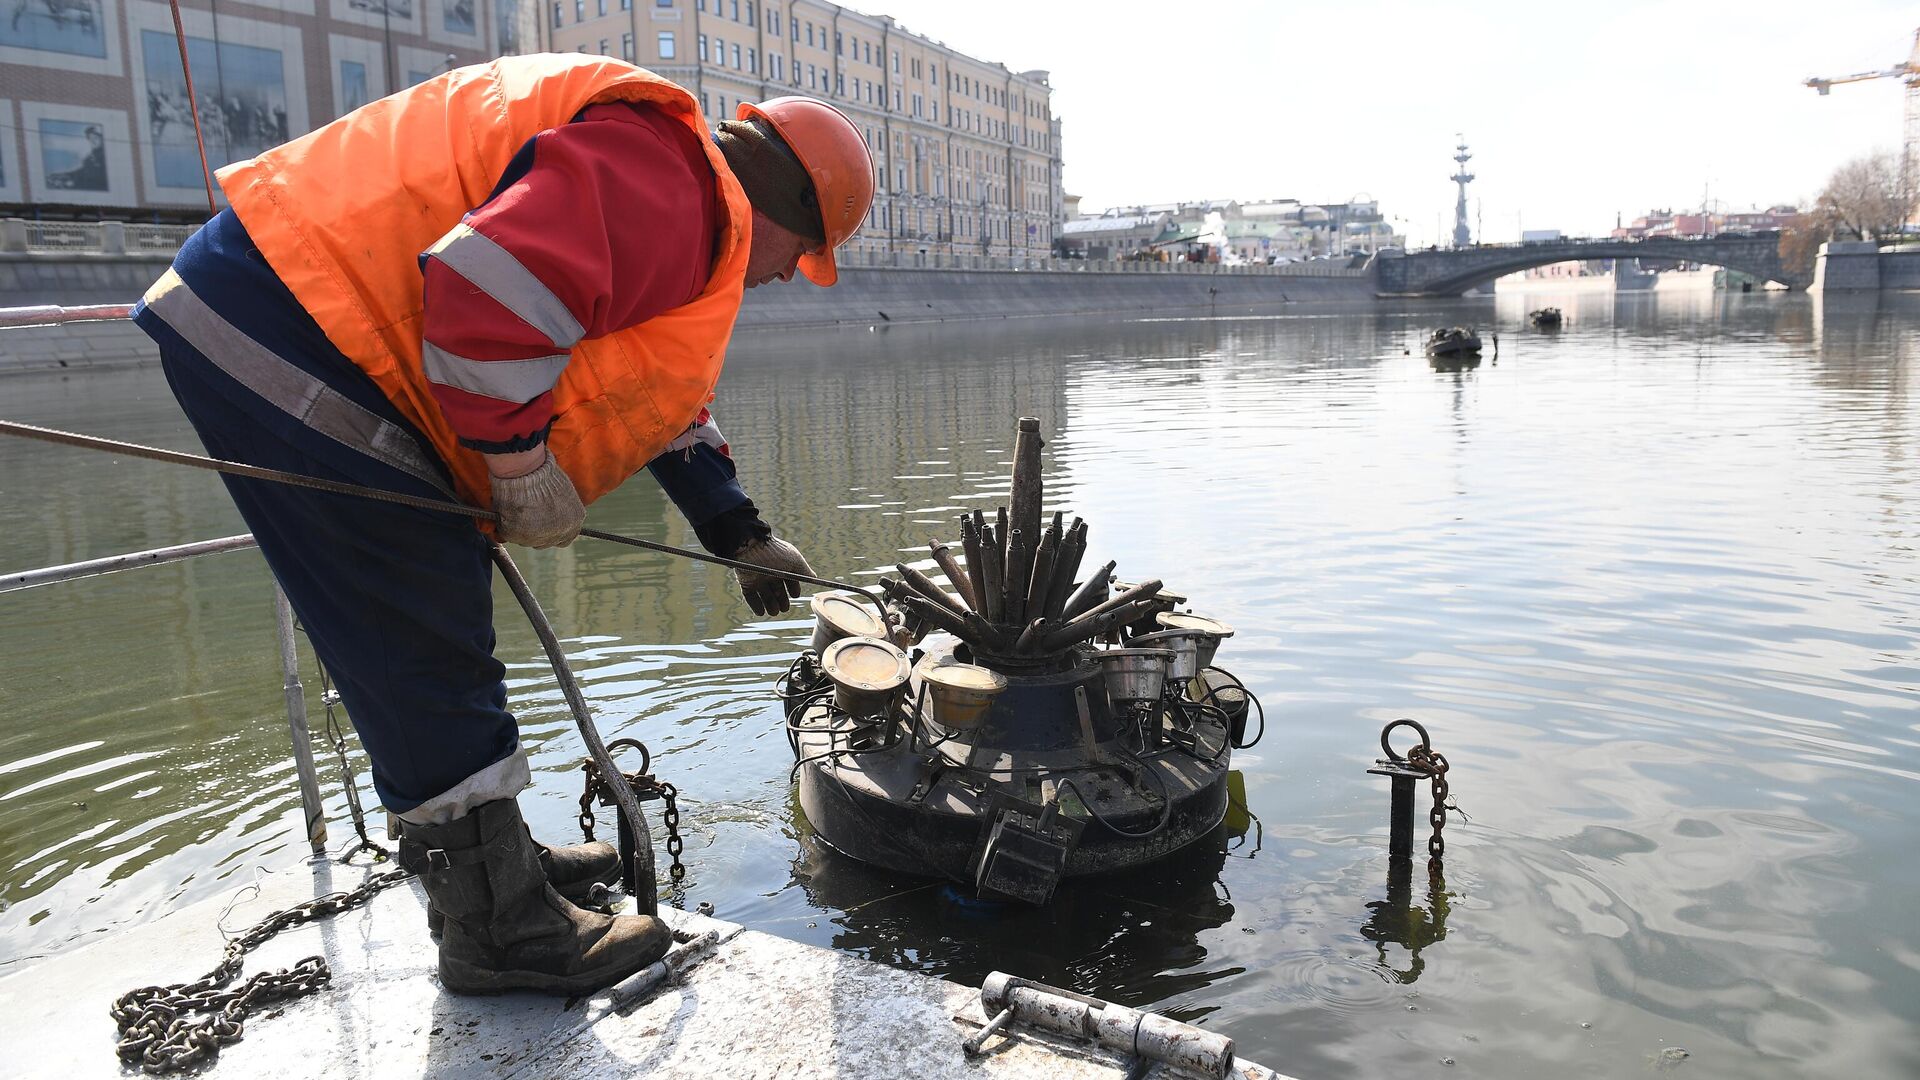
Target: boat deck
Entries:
(755, 1006)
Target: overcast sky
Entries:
(1573, 112)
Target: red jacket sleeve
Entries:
(597, 225)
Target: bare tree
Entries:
(1870, 197)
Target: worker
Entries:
(511, 285)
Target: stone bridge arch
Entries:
(1452, 272)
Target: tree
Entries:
(1870, 197)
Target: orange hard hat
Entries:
(836, 157)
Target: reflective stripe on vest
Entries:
(287, 387)
(518, 381)
(493, 270)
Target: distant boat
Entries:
(1547, 318)
(1453, 342)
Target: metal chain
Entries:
(157, 1029)
(594, 791)
(1435, 765)
(670, 813)
(336, 737)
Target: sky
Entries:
(1574, 113)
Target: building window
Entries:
(603, 7)
(793, 28)
(774, 61)
(666, 45)
(896, 61)
(750, 21)
(753, 61)
(810, 82)
(736, 10)
(809, 35)
(917, 101)
(736, 57)
(773, 21)
(896, 100)
(579, 10)
(702, 45)
(603, 48)
(915, 67)
(663, 3)
(556, 14)
(840, 85)
(839, 44)
(626, 5)
(626, 47)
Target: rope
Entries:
(193, 105)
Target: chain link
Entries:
(1434, 763)
(670, 814)
(158, 1031)
(595, 791)
(338, 740)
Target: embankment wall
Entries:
(864, 296)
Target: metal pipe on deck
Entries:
(48, 575)
(55, 315)
(297, 724)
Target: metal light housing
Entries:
(867, 672)
(1211, 631)
(843, 614)
(959, 695)
(1135, 676)
(1184, 644)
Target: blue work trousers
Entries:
(397, 601)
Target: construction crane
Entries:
(1909, 71)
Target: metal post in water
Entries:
(297, 724)
(1403, 776)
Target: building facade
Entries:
(94, 115)
(966, 153)
(1264, 231)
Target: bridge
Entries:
(1454, 271)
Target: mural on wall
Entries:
(353, 85)
(73, 155)
(398, 9)
(75, 27)
(456, 16)
(506, 20)
(243, 104)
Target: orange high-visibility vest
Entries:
(343, 213)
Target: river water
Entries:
(1653, 582)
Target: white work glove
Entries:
(769, 594)
(539, 509)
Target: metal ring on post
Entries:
(1426, 741)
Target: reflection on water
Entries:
(1651, 582)
(1396, 920)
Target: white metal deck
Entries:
(757, 1006)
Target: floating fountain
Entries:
(1020, 724)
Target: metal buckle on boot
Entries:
(437, 859)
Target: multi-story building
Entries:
(966, 153)
(1684, 224)
(1269, 230)
(94, 113)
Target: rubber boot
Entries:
(506, 928)
(573, 871)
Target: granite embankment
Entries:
(864, 296)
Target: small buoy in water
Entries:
(1675, 1053)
